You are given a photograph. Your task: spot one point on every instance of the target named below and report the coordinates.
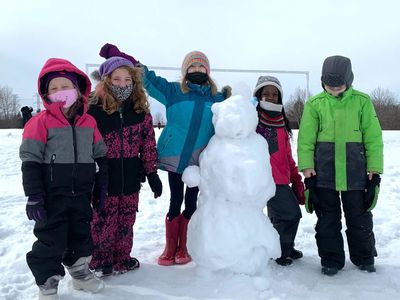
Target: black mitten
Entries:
(155, 184)
(372, 192)
(310, 193)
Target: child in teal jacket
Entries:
(187, 133)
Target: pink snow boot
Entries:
(167, 258)
(182, 256)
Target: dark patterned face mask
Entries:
(121, 93)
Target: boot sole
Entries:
(183, 261)
(78, 287)
(166, 264)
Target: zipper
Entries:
(53, 158)
(121, 136)
(75, 158)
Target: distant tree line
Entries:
(387, 108)
(386, 104)
(10, 116)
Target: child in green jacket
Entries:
(340, 152)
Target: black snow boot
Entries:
(367, 268)
(284, 261)
(295, 254)
(329, 271)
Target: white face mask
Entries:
(271, 106)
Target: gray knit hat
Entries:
(336, 71)
(268, 80)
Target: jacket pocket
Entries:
(164, 143)
(356, 168)
(325, 164)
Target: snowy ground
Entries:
(302, 280)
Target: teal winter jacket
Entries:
(189, 127)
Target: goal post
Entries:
(260, 71)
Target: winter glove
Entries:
(372, 192)
(226, 91)
(35, 208)
(155, 184)
(310, 193)
(99, 197)
(298, 190)
(110, 50)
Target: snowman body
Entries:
(229, 230)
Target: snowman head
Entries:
(234, 118)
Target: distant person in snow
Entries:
(122, 113)
(283, 208)
(59, 149)
(340, 151)
(189, 128)
(26, 114)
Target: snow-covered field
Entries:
(302, 280)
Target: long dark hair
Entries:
(287, 123)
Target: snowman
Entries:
(229, 230)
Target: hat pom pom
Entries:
(109, 50)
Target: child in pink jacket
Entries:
(283, 208)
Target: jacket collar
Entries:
(202, 89)
(346, 94)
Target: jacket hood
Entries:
(336, 71)
(59, 64)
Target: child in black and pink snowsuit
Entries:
(121, 110)
(283, 209)
(59, 149)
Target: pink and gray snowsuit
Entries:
(58, 161)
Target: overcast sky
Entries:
(237, 34)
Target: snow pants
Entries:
(62, 238)
(360, 236)
(112, 231)
(284, 213)
(176, 186)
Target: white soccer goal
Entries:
(242, 81)
(248, 71)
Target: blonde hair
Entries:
(104, 97)
(185, 89)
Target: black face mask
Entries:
(197, 77)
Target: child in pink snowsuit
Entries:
(121, 110)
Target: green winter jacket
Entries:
(341, 138)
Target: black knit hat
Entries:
(336, 71)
